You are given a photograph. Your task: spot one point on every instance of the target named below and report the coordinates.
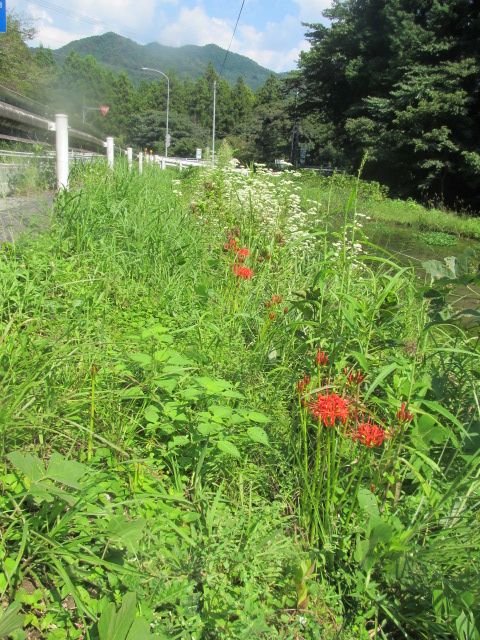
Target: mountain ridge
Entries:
(189, 61)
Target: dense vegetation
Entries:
(223, 419)
(399, 79)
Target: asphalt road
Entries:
(23, 214)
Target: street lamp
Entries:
(167, 137)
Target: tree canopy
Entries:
(399, 79)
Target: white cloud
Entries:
(311, 10)
(48, 34)
(131, 15)
(194, 26)
(267, 47)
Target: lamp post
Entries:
(167, 137)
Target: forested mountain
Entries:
(190, 61)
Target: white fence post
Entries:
(61, 128)
(130, 157)
(110, 152)
(140, 163)
(180, 165)
(164, 164)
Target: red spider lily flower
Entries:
(321, 358)
(329, 408)
(272, 315)
(242, 253)
(274, 301)
(242, 272)
(370, 435)
(303, 384)
(354, 376)
(231, 245)
(403, 414)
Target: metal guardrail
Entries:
(16, 114)
(64, 153)
(49, 155)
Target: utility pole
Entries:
(295, 134)
(167, 135)
(214, 117)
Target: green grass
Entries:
(162, 472)
(374, 202)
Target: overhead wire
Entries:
(74, 15)
(233, 36)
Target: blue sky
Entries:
(270, 31)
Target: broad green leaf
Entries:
(229, 448)
(67, 472)
(191, 393)
(220, 411)
(178, 441)
(140, 630)
(151, 414)
(207, 428)
(11, 620)
(429, 430)
(156, 330)
(127, 533)
(361, 550)
(31, 466)
(115, 625)
(436, 406)
(256, 416)
(257, 434)
(132, 393)
(214, 385)
(367, 501)
(141, 358)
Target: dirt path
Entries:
(20, 214)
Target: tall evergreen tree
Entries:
(400, 79)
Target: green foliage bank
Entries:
(221, 420)
(399, 79)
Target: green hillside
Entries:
(119, 53)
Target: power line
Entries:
(78, 17)
(233, 36)
(51, 6)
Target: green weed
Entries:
(163, 472)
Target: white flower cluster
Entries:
(175, 188)
(271, 199)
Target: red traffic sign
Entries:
(104, 109)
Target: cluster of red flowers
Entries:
(369, 434)
(329, 408)
(403, 414)
(354, 376)
(231, 245)
(303, 384)
(241, 253)
(242, 272)
(321, 358)
(273, 301)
